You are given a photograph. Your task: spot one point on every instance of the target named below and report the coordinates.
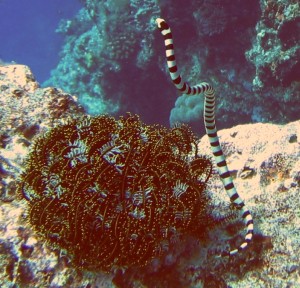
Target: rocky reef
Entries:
(263, 159)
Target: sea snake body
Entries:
(211, 131)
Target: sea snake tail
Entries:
(211, 131)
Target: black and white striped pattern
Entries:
(211, 131)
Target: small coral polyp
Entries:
(115, 193)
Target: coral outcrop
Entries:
(26, 110)
(249, 51)
(276, 51)
(101, 41)
(265, 160)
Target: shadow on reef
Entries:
(179, 274)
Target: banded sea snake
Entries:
(211, 131)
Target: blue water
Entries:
(27, 32)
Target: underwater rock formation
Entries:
(26, 110)
(263, 158)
